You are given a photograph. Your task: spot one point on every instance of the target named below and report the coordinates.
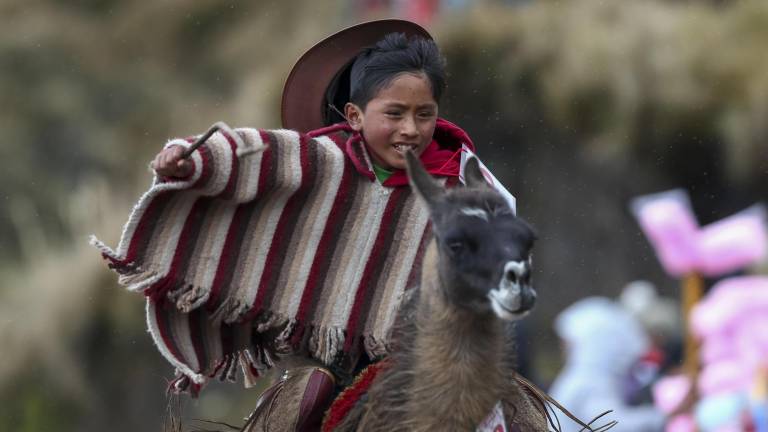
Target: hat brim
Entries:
(304, 91)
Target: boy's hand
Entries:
(169, 163)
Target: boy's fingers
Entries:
(172, 154)
(169, 162)
(175, 154)
(160, 164)
(183, 167)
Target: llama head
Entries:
(484, 250)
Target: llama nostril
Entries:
(514, 271)
(511, 276)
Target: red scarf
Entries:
(441, 158)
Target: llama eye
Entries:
(456, 246)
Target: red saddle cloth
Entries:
(347, 399)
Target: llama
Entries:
(452, 361)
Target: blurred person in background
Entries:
(660, 318)
(603, 343)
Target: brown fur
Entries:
(448, 371)
(450, 366)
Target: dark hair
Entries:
(375, 68)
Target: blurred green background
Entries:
(577, 106)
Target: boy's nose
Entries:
(408, 127)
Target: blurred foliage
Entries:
(92, 88)
(631, 78)
(576, 106)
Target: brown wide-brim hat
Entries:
(304, 93)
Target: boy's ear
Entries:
(354, 116)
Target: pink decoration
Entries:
(717, 347)
(730, 244)
(728, 303)
(733, 243)
(751, 338)
(681, 423)
(670, 391)
(668, 222)
(732, 322)
(724, 377)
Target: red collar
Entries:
(441, 157)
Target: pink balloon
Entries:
(681, 423)
(717, 347)
(727, 245)
(751, 338)
(728, 303)
(733, 243)
(669, 392)
(723, 377)
(732, 323)
(668, 222)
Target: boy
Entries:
(302, 241)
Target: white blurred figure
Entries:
(603, 342)
(660, 317)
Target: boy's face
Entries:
(401, 116)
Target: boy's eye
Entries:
(393, 113)
(426, 114)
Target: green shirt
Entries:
(382, 174)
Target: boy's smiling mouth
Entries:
(404, 147)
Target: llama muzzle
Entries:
(514, 297)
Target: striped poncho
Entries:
(278, 243)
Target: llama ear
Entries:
(473, 175)
(421, 182)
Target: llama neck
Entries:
(458, 366)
